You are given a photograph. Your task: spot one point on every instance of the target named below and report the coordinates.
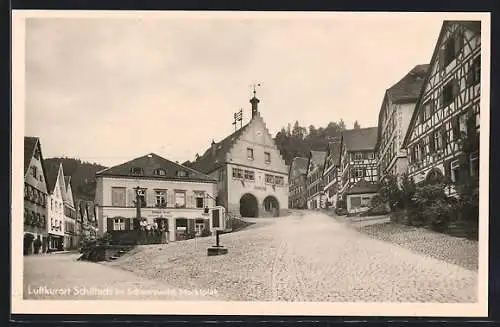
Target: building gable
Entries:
(465, 37)
(35, 171)
(256, 137)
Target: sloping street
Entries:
(305, 257)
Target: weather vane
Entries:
(254, 86)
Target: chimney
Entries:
(213, 147)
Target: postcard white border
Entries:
(21, 306)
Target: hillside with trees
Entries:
(297, 141)
(82, 175)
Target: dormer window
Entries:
(160, 172)
(182, 173)
(137, 171)
(358, 156)
(33, 171)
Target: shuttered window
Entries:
(118, 196)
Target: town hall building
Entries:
(251, 173)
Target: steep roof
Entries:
(333, 150)
(362, 187)
(298, 166)
(360, 139)
(408, 88)
(149, 163)
(474, 26)
(67, 180)
(52, 172)
(215, 156)
(29, 149)
(316, 157)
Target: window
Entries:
(358, 172)
(428, 110)
(160, 172)
(118, 196)
(199, 202)
(237, 173)
(449, 51)
(269, 179)
(358, 156)
(182, 173)
(161, 201)
(36, 155)
(455, 171)
(250, 175)
(33, 171)
(455, 127)
(365, 201)
(371, 155)
(474, 164)
(180, 199)
(450, 91)
(267, 157)
(137, 171)
(279, 180)
(355, 202)
(436, 141)
(119, 224)
(250, 153)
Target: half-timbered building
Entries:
(443, 136)
(331, 172)
(297, 181)
(35, 197)
(393, 120)
(314, 179)
(358, 163)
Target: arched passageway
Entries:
(271, 205)
(249, 206)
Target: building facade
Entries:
(173, 198)
(298, 186)
(358, 165)
(251, 173)
(393, 120)
(35, 198)
(314, 180)
(331, 172)
(55, 204)
(71, 239)
(443, 136)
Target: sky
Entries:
(110, 89)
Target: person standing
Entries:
(37, 244)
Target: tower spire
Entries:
(254, 101)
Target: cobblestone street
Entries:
(304, 257)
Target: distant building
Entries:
(35, 196)
(56, 219)
(331, 173)
(358, 166)
(85, 218)
(314, 180)
(71, 239)
(297, 180)
(172, 197)
(393, 120)
(251, 173)
(443, 136)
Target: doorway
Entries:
(271, 205)
(248, 206)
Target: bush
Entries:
(340, 211)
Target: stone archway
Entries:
(271, 206)
(249, 206)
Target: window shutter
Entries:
(170, 198)
(131, 198)
(127, 223)
(150, 198)
(110, 224)
(190, 201)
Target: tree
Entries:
(356, 125)
(312, 131)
